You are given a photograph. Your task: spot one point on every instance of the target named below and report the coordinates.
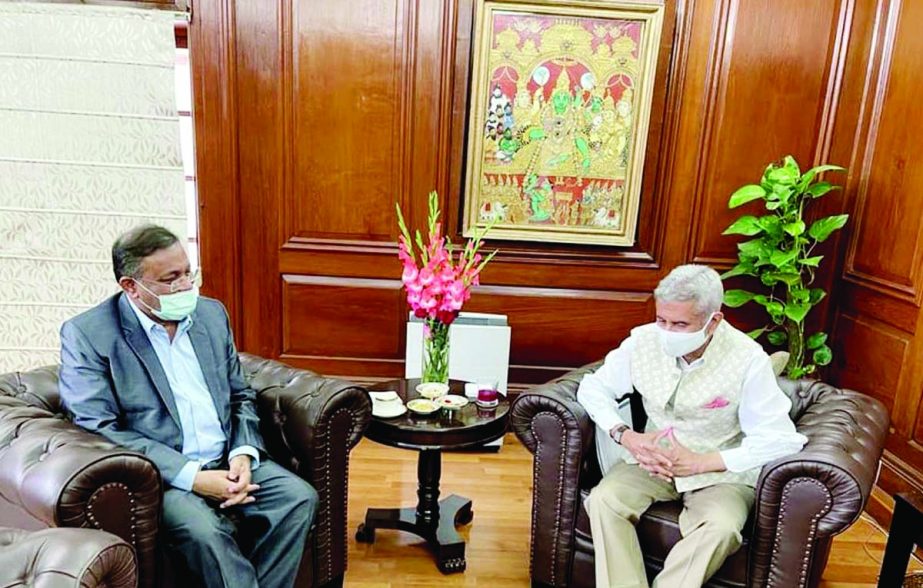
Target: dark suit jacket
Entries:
(113, 384)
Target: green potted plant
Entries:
(780, 253)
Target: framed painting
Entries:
(559, 108)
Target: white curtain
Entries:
(89, 147)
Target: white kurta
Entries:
(733, 375)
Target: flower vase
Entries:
(435, 352)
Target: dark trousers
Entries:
(263, 550)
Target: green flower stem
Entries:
(436, 352)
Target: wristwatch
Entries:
(618, 432)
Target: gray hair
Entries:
(130, 249)
(698, 283)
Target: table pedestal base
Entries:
(432, 519)
(447, 545)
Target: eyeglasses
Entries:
(188, 280)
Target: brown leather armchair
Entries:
(54, 474)
(65, 558)
(802, 501)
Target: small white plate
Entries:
(423, 406)
(384, 396)
(388, 410)
(453, 402)
(432, 390)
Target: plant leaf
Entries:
(784, 175)
(755, 333)
(790, 278)
(735, 298)
(821, 188)
(799, 294)
(824, 168)
(823, 355)
(777, 337)
(797, 312)
(817, 294)
(741, 269)
(746, 225)
(746, 194)
(781, 258)
(794, 229)
(822, 228)
(775, 308)
(771, 224)
(811, 261)
(752, 248)
(816, 340)
(773, 205)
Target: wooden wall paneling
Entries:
(886, 252)
(213, 62)
(876, 370)
(339, 113)
(351, 81)
(879, 326)
(261, 59)
(326, 316)
(584, 325)
(769, 99)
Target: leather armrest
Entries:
(309, 424)
(556, 399)
(821, 490)
(66, 558)
(555, 427)
(63, 476)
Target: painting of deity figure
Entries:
(560, 102)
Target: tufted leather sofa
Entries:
(54, 474)
(802, 501)
(65, 558)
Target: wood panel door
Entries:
(314, 117)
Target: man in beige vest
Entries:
(715, 416)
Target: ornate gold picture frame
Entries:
(560, 102)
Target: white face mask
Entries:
(677, 344)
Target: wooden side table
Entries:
(906, 531)
(432, 519)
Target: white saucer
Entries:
(388, 410)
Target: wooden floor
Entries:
(500, 484)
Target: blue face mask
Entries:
(175, 306)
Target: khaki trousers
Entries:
(710, 524)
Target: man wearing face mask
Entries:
(154, 368)
(715, 416)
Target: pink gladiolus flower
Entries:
(438, 288)
(415, 286)
(426, 331)
(447, 275)
(410, 273)
(456, 288)
(428, 303)
(426, 276)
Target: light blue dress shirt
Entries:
(203, 438)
